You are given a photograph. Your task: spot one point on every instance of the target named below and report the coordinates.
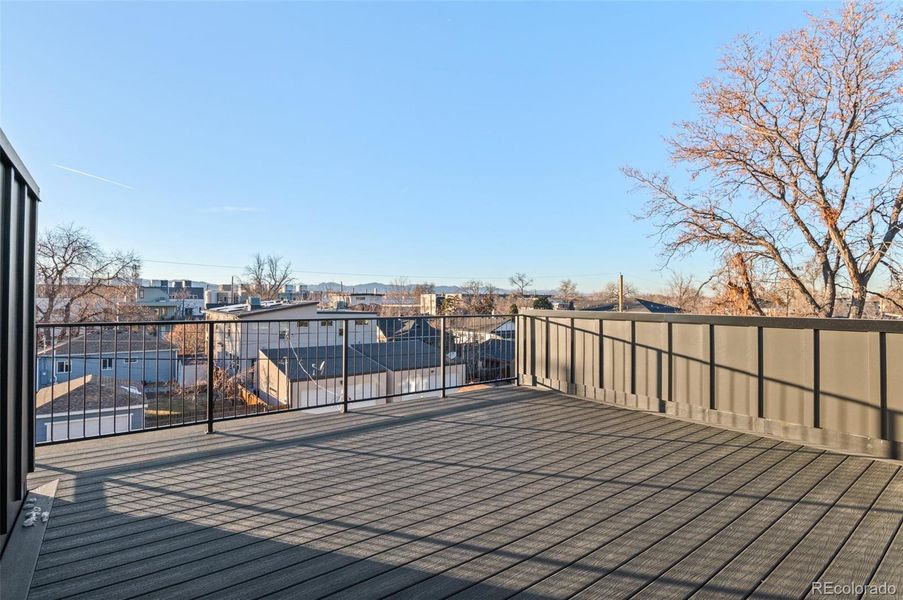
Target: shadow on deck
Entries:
(491, 494)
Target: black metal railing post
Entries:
(760, 372)
(713, 389)
(816, 378)
(210, 347)
(442, 352)
(517, 352)
(345, 367)
(572, 359)
(633, 357)
(547, 371)
(533, 351)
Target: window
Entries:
(283, 334)
(303, 323)
(129, 361)
(325, 323)
(106, 364)
(62, 366)
(361, 322)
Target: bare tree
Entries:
(266, 276)
(451, 305)
(683, 292)
(190, 339)
(738, 289)
(567, 291)
(520, 282)
(79, 281)
(425, 287)
(401, 298)
(478, 298)
(796, 158)
(609, 291)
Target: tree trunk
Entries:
(857, 300)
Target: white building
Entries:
(243, 332)
(311, 376)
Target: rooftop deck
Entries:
(490, 494)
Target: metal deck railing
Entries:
(103, 379)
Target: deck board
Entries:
(490, 494)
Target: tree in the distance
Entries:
(542, 303)
(79, 281)
(567, 291)
(478, 298)
(795, 160)
(401, 298)
(266, 275)
(683, 292)
(520, 282)
(189, 338)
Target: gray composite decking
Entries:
(490, 494)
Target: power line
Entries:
(350, 274)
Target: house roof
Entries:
(319, 362)
(405, 354)
(635, 305)
(504, 323)
(498, 349)
(109, 342)
(394, 328)
(239, 311)
(88, 393)
(325, 362)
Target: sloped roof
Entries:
(325, 362)
(635, 305)
(117, 343)
(88, 393)
(319, 362)
(400, 355)
(498, 349)
(394, 328)
(244, 309)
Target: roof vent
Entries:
(253, 302)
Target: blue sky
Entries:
(444, 141)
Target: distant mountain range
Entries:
(381, 288)
(373, 286)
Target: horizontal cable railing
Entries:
(104, 379)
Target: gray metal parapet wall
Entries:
(18, 230)
(829, 382)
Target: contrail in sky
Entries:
(92, 176)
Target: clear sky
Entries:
(363, 141)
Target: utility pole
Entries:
(620, 292)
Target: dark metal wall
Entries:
(18, 228)
(831, 382)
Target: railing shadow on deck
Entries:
(571, 351)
